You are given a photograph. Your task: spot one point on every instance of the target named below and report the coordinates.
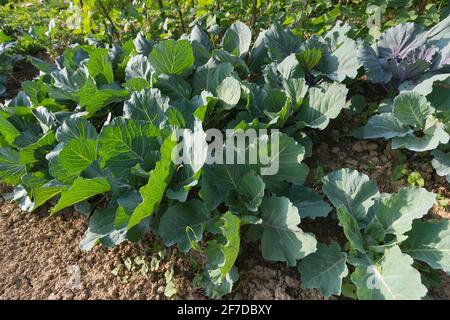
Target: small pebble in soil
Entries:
(160, 289)
(357, 147)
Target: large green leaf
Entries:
(324, 269)
(433, 135)
(393, 278)
(237, 39)
(411, 108)
(183, 224)
(308, 202)
(281, 158)
(237, 185)
(126, 142)
(230, 249)
(139, 67)
(309, 58)
(100, 67)
(55, 168)
(94, 99)
(37, 151)
(383, 125)
(350, 189)
(282, 239)
(209, 76)
(351, 229)
(148, 105)
(322, 104)
(229, 92)
(343, 62)
(7, 130)
(429, 241)
(250, 190)
(11, 170)
(396, 212)
(441, 163)
(80, 190)
(296, 90)
(78, 154)
(173, 86)
(102, 229)
(172, 57)
(74, 128)
(46, 192)
(153, 192)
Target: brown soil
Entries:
(23, 70)
(36, 252)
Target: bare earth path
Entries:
(36, 252)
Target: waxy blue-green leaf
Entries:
(429, 241)
(229, 92)
(324, 269)
(201, 45)
(138, 67)
(290, 68)
(296, 90)
(173, 86)
(351, 229)
(237, 185)
(369, 60)
(433, 136)
(237, 39)
(215, 285)
(425, 85)
(141, 44)
(323, 104)
(352, 190)
(21, 197)
(441, 163)
(308, 202)
(343, 62)
(280, 156)
(102, 230)
(67, 84)
(393, 278)
(383, 125)
(148, 105)
(210, 75)
(282, 239)
(183, 224)
(280, 42)
(397, 211)
(251, 190)
(412, 109)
